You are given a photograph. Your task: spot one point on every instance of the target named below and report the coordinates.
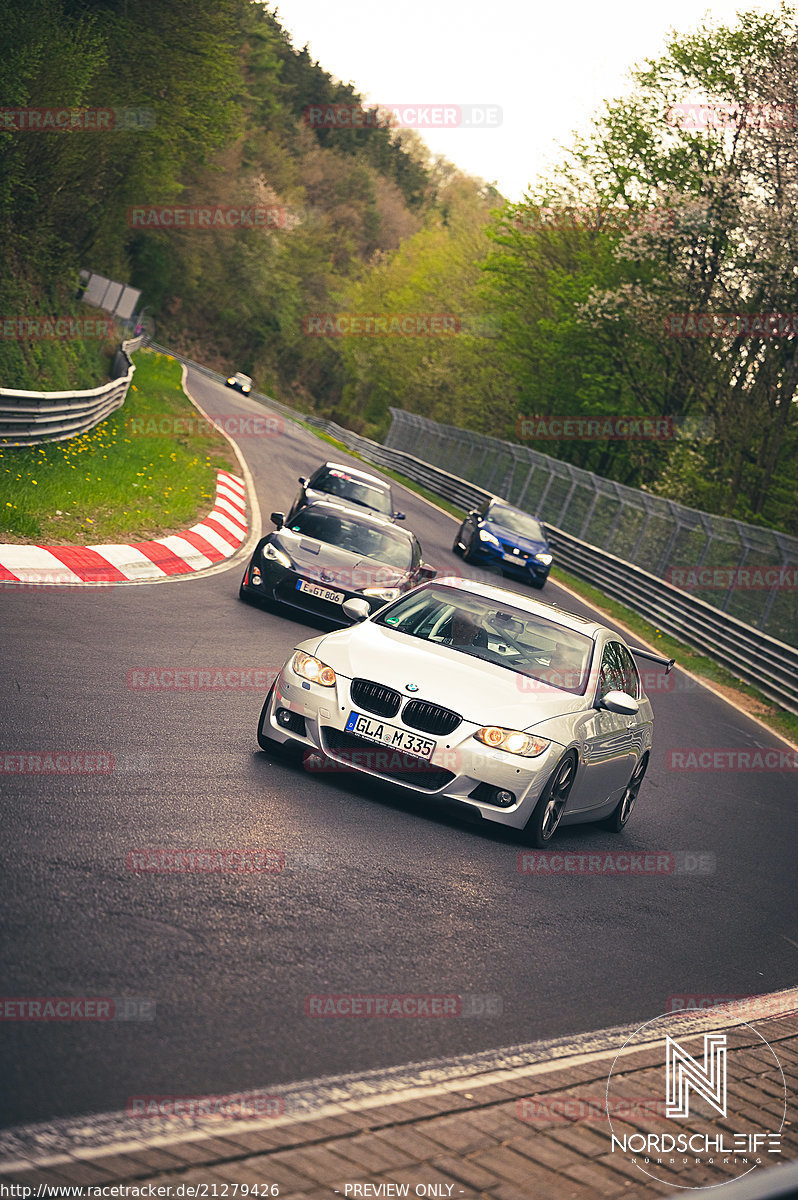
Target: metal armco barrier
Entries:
(768, 664)
(29, 418)
(755, 657)
(748, 571)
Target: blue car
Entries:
(502, 536)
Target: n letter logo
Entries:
(684, 1072)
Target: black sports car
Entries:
(333, 481)
(328, 553)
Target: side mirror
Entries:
(356, 609)
(621, 703)
(278, 519)
(303, 479)
(397, 516)
(425, 571)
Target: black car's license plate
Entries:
(320, 592)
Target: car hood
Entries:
(352, 571)
(531, 545)
(480, 692)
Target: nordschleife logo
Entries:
(702, 1123)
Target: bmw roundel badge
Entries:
(411, 687)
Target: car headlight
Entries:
(484, 536)
(386, 593)
(313, 669)
(544, 558)
(246, 388)
(271, 552)
(512, 740)
(231, 380)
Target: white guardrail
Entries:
(29, 418)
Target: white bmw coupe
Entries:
(521, 713)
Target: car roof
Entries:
(522, 512)
(538, 608)
(365, 516)
(364, 475)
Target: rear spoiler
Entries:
(667, 663)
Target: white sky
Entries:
(548, 66)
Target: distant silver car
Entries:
(333, 481)
(502, 706)
(241, 383)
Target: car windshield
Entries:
(534, 647)
(383, 544)
(356, 491)
(517, 522)
(242, 378)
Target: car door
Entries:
(610, 739)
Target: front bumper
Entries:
(315, 717)
(279, 585)
(505, 560)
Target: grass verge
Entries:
(147, 471)
(723, 680)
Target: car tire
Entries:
(623, 810)
(538, 585)
(542, 825)
(242, 595)
(469, 554)
(457, 547)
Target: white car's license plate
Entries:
(389, 735)
(321, 593)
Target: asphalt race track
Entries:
(380, 893)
